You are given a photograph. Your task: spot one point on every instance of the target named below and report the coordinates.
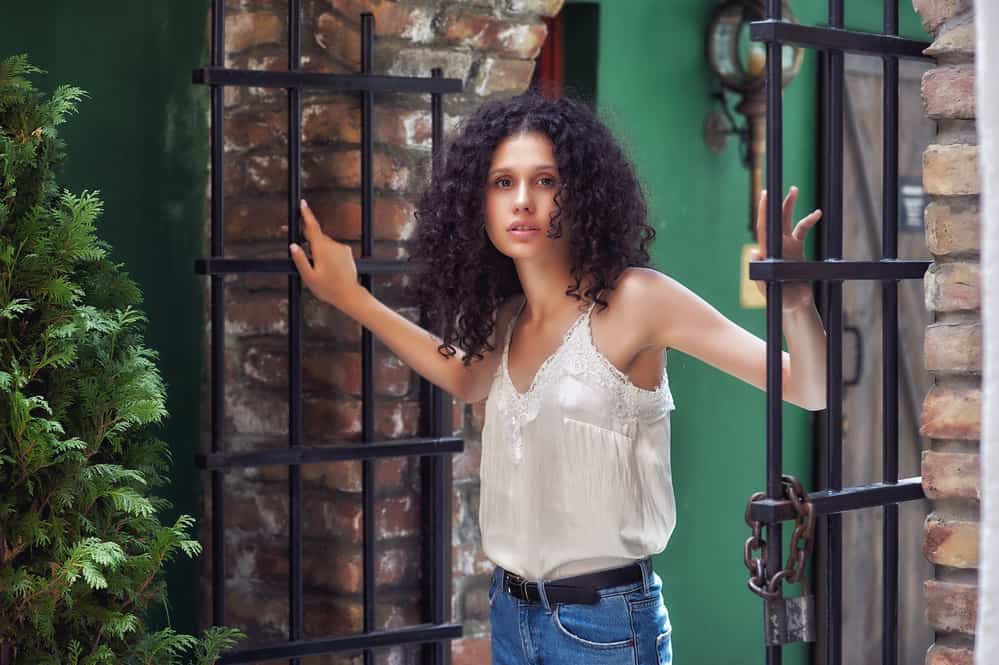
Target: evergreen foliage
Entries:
(82, 549)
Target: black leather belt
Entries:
(575, 589)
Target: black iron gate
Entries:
(776, 505)
(434, 448)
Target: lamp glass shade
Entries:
(739, 62)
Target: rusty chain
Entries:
(801, 542)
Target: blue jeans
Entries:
(629, 625)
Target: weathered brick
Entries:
(486, 33)
(952, 413)
(263, 513)
(949, 92)
(340, 216)
(341, 419)
(257, 609)
(255, 411)
(469, 559)
(952, 287)
(265, 365)
(934, 13)
(327, 614)
(391, 474)
(330, 122)
(958, 42)
(325, 322)
(940, 654)
(465, 465)
(255, 219)
(953, 347)
(951, 170)
(951, 607)
(952, 227)
(342, 168)
(255, 130)
(257, 558)
(256, 313)
(248, 29)
(538, 7)
(950, 542)
(475, 603)
(342, 371)
(343, 572)
(951, 475)
(340, 38)
(471, 651)
(392, 19)
(328, 419)
(339, 515)
(419, 62)
(503, 76)
(267, 174)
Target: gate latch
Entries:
(786, 620)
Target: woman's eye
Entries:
(502, 182)
(548, 181)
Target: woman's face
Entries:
(520, 193)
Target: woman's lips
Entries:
(524, 233)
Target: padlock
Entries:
(788, 620)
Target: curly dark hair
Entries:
(465, 278)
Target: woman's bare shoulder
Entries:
(643, 299)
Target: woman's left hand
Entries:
(794, 294)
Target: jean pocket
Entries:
(602, 625)
(650, 621)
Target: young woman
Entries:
(535, 240)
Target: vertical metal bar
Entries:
(295, 325)
(217, 306)
(435, 472)
(441, 533)
(367, 373)
(889, 341)
(774, 301)
(833, 241)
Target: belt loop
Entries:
(645, 565)
(543, 595)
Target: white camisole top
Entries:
(576, 471)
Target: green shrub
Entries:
(82, 549)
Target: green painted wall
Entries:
(141, 139)
(654, 88)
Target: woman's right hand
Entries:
(332, 276)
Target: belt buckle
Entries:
(518, 582)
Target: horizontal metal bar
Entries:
(368, 266)
(320, 81)
(375, 639)
(834, 270)
(837, 39)
(419, 446)
(828, 502)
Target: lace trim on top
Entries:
(630, 402)
(520, 408)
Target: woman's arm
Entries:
(676, 317)
(332, 278)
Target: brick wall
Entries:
(491, 45)
(951, 414)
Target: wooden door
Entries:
(862, 356)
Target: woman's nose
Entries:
(522, 201)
